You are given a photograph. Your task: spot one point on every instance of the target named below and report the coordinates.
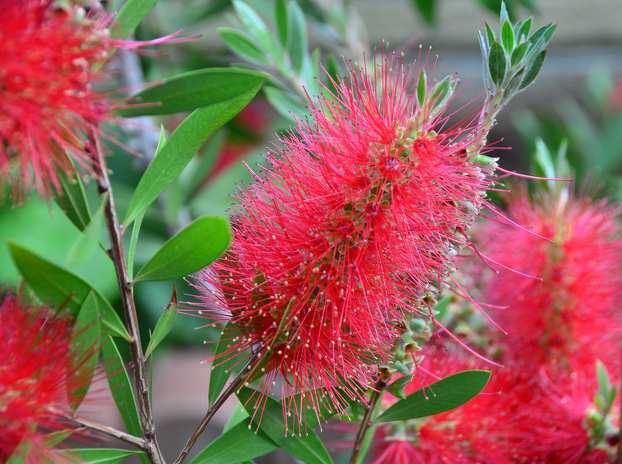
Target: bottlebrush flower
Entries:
(522, 416)
(572, 313)
(34, 364)
(357, 216)
(49, 60)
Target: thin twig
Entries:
(237, 383)
(377, 392)
(127, 299)
(110, 431)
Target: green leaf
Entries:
(195, 89)
(88, 241)
(60, 288)
(286, 104)
(524, 28)
(427, 9)
(239, 444)
(222, 363)
(519, 53)
(396, 388)
(130, 16)
(507, 36)
(533, 70)
(309, 448)
(85, 346)
(441, 396)
(280, 15)
(504, 15)
(422, 86)
(241, 45)
(496, 63)
(253, 24)
(181, 146)
(297, 39)
(72, 200)
(490, 34)
(120, 387)
(100, 456)
(193, 248)
(162, 328)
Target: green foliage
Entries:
(85, 346)
(513, 58)
(196, 89)
(163, 327)
(72, 200)
(441, 396)
(120, 386)
(307, 446)
(181, 146)
(61, 289)
(130, 16)
(237, 445)
(100, 456)
(192, 249)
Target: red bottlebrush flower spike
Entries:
(523, 416)
(49, 60)
(34, 364)
(47, 101)
(571, 314)
(358, 215)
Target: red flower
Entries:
(522, 416)
(49, 60)
(356, 218)
(35, 360)
(47, 68)
(571, 314)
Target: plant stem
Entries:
(377, 392)
(110, 431)
(211, 411)
(127, 299)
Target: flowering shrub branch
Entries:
(338, 284)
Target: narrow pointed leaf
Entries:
(237, 445)
(120, 386)
(497, 63)
(533, 70)
(130, 16)
(60, 288)
(507, 36)
(280, 15)
(441, 396)
(308, 448)
(241, 45)
(192, 249)
(100, 456)
(85, 346)
(297, 38)
(195, 89)
(162, 329)
(181, 146)
(222, 363)
(72, 200)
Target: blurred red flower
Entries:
(34, 368)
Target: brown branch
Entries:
(109, 431)
(127, 299)
(377, 392)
